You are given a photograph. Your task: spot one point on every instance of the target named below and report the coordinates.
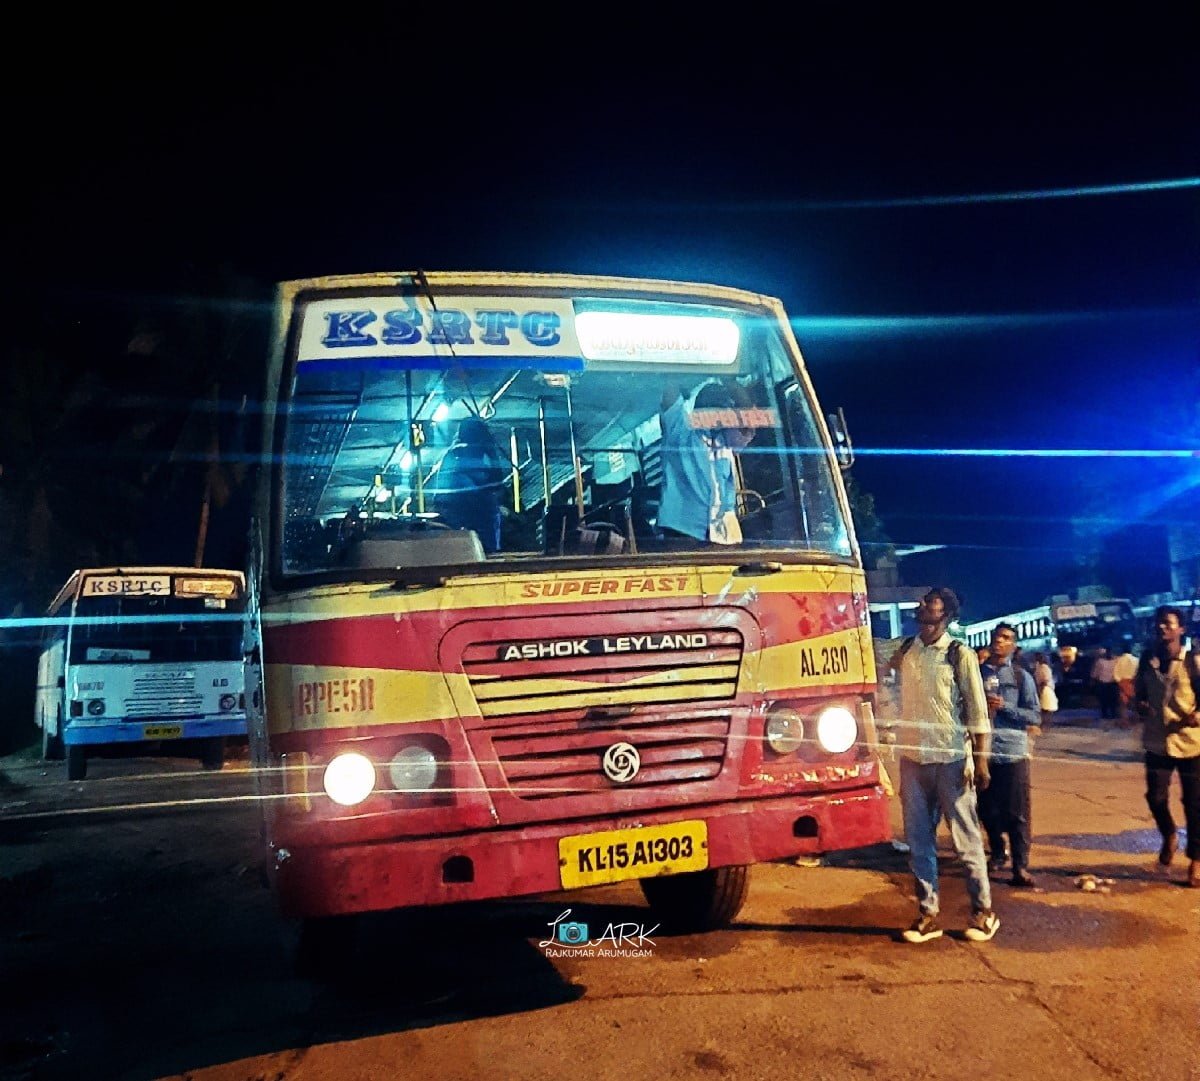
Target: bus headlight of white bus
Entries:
(836, 729)
(349, 778)
(95, 707)
(414, 769)
(227, 702)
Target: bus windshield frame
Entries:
(361, 454)
(184, 624)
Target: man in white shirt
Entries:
(1124, 671)
(1104, 683)
(944, 745)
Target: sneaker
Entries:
(1167, 852)
(923, 929)
(998, 860)
(983, 926)
(1022, 879)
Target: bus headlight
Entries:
(784, 730)
(95, 707)
(836, 729)
(413, 769)
(227, 702)
(349, 778)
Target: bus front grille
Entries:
(563, 759)
(695, 667)
(164, 694)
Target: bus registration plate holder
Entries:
(591, 859)
(162, 731)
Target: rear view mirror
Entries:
(842, 446)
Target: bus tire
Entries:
(76, 762)
(698, 900)
(52, 745)
(325, 951)
(212, 752)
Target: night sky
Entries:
(969, 225)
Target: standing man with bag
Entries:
(1165, 693)
(1005, 805)
(944, 745)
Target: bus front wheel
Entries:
(76, 763)
(698, 900)
(326, 949)
(52, 745)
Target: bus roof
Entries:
(440, 280)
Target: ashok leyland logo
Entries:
(570, 938)
(621, 762)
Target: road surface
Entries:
(138, 941)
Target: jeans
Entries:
(926, 790)
(1109, 695)
(1159, 768)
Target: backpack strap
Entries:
(898, 656)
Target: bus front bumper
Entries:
(152, 729)
(376, 876)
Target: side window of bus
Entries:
(821, 520)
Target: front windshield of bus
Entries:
(543, 428)
(116, 629)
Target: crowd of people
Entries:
(966, 726)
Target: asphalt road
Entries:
(138, 941)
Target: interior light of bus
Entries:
(836, 729)
(441, 412)
(205, 587)
(673, 339)
(414, 769)
(349, 779)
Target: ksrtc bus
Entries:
(1034, 630)
(540, 687)
(140, 659)
(1086, 625)
(1147, 628)
(1074, 631)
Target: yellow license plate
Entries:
(617, 855)
(162, 731)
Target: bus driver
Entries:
(699, 485)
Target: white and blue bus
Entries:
(1074, 630)
(142, 659)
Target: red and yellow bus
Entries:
(490, 666)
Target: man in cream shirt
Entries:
(945, 738)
